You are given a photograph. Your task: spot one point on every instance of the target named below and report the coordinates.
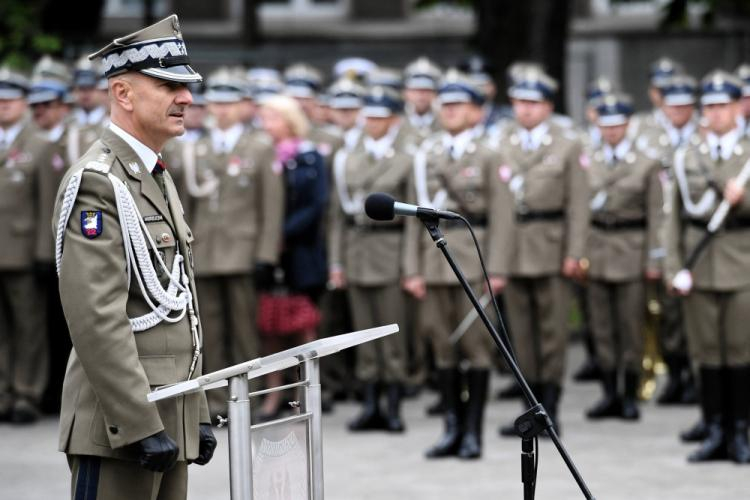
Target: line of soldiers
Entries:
(613, 207)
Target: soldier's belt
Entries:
(615, 224)
(730, 224)
(474, 220)
(539, 215)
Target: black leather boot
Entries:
(393, 422)
(696, 433)
(629, 410)
(714, 446)
(610, 404)
(471, 443)
(738, 447)
(550, 394)
(509, 430)
(450, 441)
(672, 393)
(588, 372)
(370, 418)
(689, 387)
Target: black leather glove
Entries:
(158, 453)
(263, 276)
(207, 444)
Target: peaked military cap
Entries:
(157, 50)
(13, 85)
(381, 102)
(422, 74)
(614, 109)
(223, 85)
(346, 94)
(743, 73)
(720, 87)
(302, 80)
(478, 68)
(86, 73)
(354, 67)
(597, 89)
(518, 68)
(532, 84)
(264, 82)
(679, 90)
(199, 93)
(50, 81)
(458, 87)
(662, 70)
(385, 77)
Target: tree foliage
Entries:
(22, 38)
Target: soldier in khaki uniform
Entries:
(659, 75)
(717, 289)
(452, 171)
(421, 80)
(23, 344)
(546, 177)
(624, 249)
(661, 141)
(346, 98)
(130, 334)
(90, 114)
(50, 86)
(365, 256)
(237, 209)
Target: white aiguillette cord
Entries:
(136, 241)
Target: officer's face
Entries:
(591, 114)
(308, 106)
(226, 114)
(88, 97)
(454, 117)
(11, 111)
(48, 114)
(378, 127)
(275, 124)
(420, 99)
(745, 105)
(476, 114)
(654, 95)
(679, 115)
(721, 118)
(531, 113)
(614, 135)
(156, 107)
(345, 118)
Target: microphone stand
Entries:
(535, 420)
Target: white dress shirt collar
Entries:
(380, 147)
(54, 134)
(8, 135)
(457, 144)
(91, 117)
(531, 139)
(224, 141)
(618, 151)
(147, 156)
(726, 142)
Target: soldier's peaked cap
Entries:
(614, 109)
(157, 50)
(720, 87)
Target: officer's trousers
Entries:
(441, 311)
(383, 360)
(538, 315)
(228, 309)
(618, 314)
(23, 340)
(717, 326)
(99, 478)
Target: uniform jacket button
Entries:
(165, 238)
(114, 429)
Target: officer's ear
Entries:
(121, 92)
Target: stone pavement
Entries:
(619, 460)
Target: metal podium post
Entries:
(240, 460)
(312, 403)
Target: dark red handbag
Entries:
(284, 314)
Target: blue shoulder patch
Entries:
(91, 223)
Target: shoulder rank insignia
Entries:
(91, 223)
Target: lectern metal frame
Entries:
(237, 377)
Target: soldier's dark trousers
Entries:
(58, 338)
(98, 478)
(23, 342)
(228, 309)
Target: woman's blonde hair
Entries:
(291, 111)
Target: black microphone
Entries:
(381, 206)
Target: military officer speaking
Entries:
(453, 171)
(717, 289)
(623, 249)
(124, 259)
(546, 179)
